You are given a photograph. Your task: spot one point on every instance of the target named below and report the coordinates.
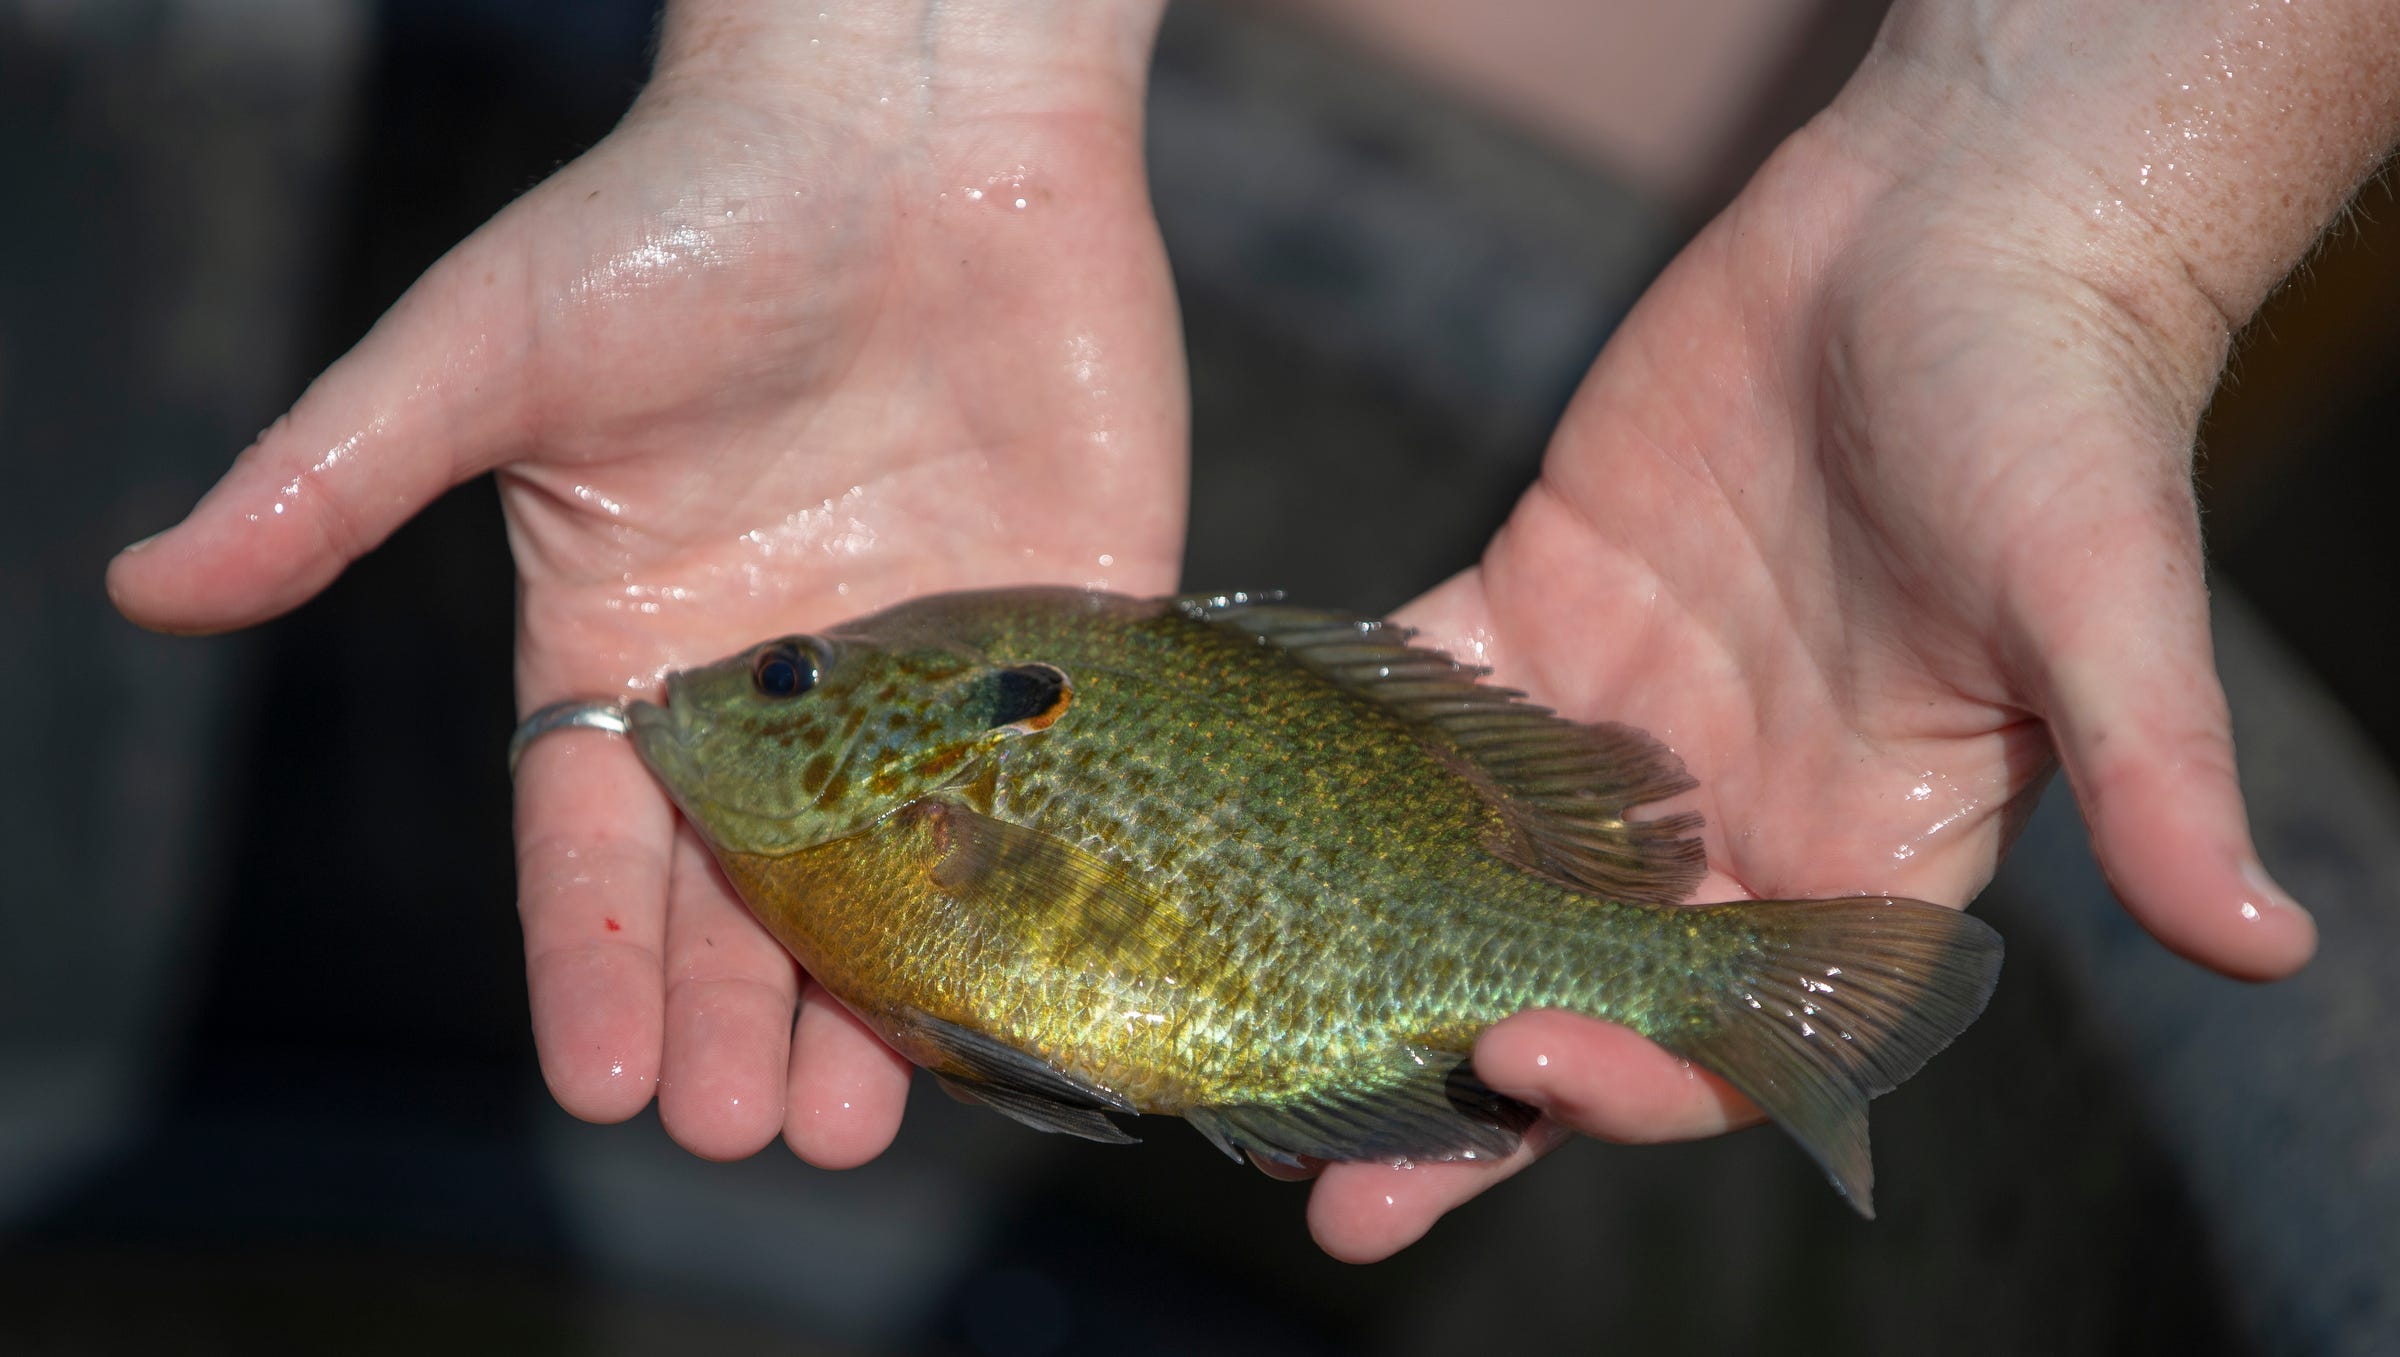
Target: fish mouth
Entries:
(662, 736)
(668, 736)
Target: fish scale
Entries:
(1266, 868)
(1357, 894)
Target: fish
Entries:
(1267, 868)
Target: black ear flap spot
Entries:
(1028, 697)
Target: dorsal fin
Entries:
(1565, 788)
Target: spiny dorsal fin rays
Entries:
(1565, 787)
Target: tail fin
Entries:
(1840, 1001)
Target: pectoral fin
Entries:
(1072, 906)
(1068, 910)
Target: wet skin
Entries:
(1878, 501)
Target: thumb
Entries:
(2127, 679)
(425, 401)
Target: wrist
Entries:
(911, 58)
(2189, 149)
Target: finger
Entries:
(730, 993)
(1363, 1213)
(846, 1090)
(1588, 1076)
(1606, 1081)
(2128, 685)
(593, 842)
(1301, 1172)
(425, 401)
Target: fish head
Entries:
(805, 739)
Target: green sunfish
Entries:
(1266, 868)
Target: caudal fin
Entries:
(1840, 1002)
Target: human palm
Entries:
(740, 372)
(1866, 510)
(1863, 509)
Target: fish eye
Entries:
(783, 671)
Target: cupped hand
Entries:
(1876, 505)
(781, 349)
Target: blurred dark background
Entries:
(266, 1081)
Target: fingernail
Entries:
(143, 545)
(2267, 896)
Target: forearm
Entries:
(2210, 140)
(915, 56)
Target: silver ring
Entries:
(575, 712)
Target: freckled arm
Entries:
(2211, 143)
(2150, 172)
